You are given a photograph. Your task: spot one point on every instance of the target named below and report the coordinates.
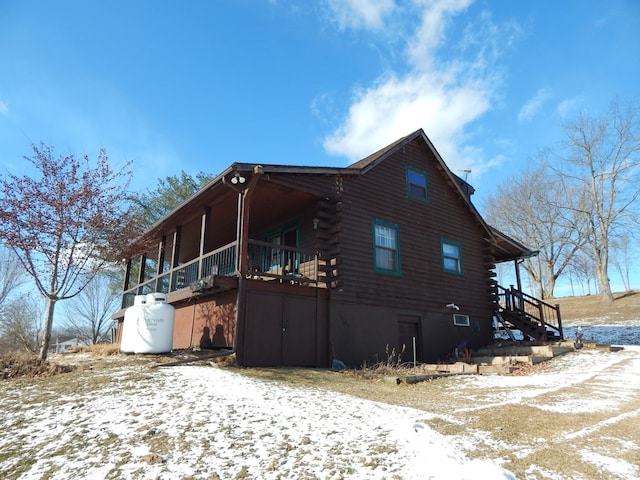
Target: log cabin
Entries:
(302, 266)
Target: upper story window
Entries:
(417, 184)
(451, 256)
(386, 247)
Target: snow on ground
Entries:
(210, 423)
(621, 369)
(628, 334)
(201, 422)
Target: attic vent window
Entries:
(417, 184)
(461, 320)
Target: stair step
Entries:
(507, 360)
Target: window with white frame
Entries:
(386, 250)
(461, 320)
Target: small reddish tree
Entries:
(65, 223)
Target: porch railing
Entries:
(533, 309)
(266, 261)
(289, 264)
(221, 261)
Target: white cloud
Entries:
(566, 106)
(4, 108)
(531, 108)
(432, 30)
(397, 107)
(360, 13)
(440, 96)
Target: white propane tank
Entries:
(131, 316)
(155, 327)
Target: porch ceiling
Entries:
(270, 204)
(506, 248)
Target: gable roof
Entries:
(377, 157)
(504, 248)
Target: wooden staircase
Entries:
(536, 319)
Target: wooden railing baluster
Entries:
(530, 312)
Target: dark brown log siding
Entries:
(423, 287)
(381, 194)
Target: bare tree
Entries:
(622, 257)
(601, 160)
(528, 208)
(12, 276)
(88, 315)
(582, 268)
(65, 223)
(13, 332)
(21, 325)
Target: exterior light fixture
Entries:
(237, 178)
(315, 222)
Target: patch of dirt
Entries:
(22, 365)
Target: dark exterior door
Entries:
(299, 332)
(280, 330)
(408, 330)
(263, 334)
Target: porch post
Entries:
(243, 222)
(161, 255)
(239, 230)
(175, 250)
(203, 227)
(159, 260)
(518, 279)
(244, 204)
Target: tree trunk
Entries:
(46, 335)
(603, 283)
(602, 269)
(551, 286)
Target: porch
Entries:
(246, 225)
(218, 271)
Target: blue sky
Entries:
(198, 85)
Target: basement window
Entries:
(461, 320)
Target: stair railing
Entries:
(513, 300)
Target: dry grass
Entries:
(19, 364)
(99, 349)
(519, 432)
(590, 309)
